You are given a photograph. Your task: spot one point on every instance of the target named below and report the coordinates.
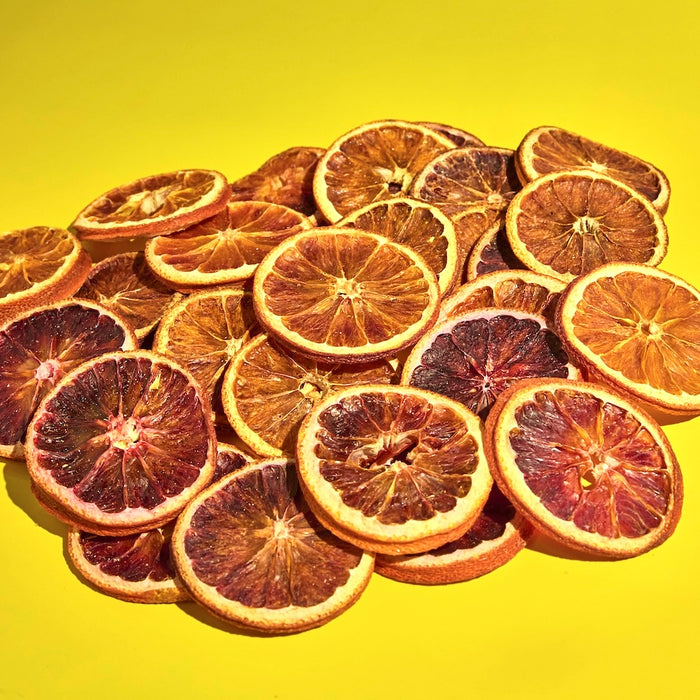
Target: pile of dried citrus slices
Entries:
(404, 353)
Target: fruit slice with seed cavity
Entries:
(226, 247)
(122, 443)
(286, 178)
(548, 149)
(38, 266)
(250, 551)
(459, 137)
(498, 534)
(343, 295)
(375, 161)
(637, 328)
(475, 356)
(268, 391)
(39, 348)
(136, 568)
(395, 470)
(154, 205)
(418, 225)
(568, 223)
(585, 466)
(125, 284)
(490, 253)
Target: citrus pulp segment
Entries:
(154, 205)
(38, 348)
(547, 149)
(394, 470)
(224, 248)
(122, 443)
(375, 161)
(585, 466)
(249, 551)
(268, 391)
(637, 328)
(566, 224)
(491, 252)
(345, 295)
(459, 137)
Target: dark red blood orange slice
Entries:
(459, 137)
(490, 253)
(228, 459)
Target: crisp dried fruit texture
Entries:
(459, 137)
(491, 252)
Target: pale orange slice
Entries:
(490, 253)
(548, 149)
(343, 295)
(458, 136)
(154, 205)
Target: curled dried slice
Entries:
(459, 137)
(491, 252)
(251, 553)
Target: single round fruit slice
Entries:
(395, 470)
(39, 348)
(498, 534)
(38, 266)
(287, 178)
(268, 391)
(343, 295)
(475, 356)
(491, 252)
(226, 247)
(125, 284)
(122, 443)
(585, 466)
(567, 223)
(548, 149)
(136, 568)
(459, 137)
(418, 225)
(251, 553)
(637, 328)
(375, 161)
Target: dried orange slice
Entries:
(154, 205)
(136, 568)
(228, 459)
(395, 470)
(122, 443)
(39, 348)
(637, 328)
(475, 356)
(418, 225)
(268, 391)
(585, 466)
(375, 161)
(287, 178)
(567, 223)
(343, 295)
(491, 252)
(38, 266)
(498, 534)
(125, 284)
(226, 247)
(459, 137)
(548, 149)
(251, 553)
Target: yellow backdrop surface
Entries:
(95, 94)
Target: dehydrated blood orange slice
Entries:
(418, 225)
(345, 295)
(38, 266)
(395, 470)
(268, 391)
(637, 328)
(154, 205)
(251, 553)
(122, 443)
(136, 568)
(286, 178)
(125, 284)
(567, 223)
(39, 348)
(375, 161)
(585, 466)
(225, 248)
(548, 149)
(475, 356)
(228, 459)
(498, 534)
(459, 137)
(491, 252)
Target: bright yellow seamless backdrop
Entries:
(95, 94)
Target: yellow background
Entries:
(95, 94)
